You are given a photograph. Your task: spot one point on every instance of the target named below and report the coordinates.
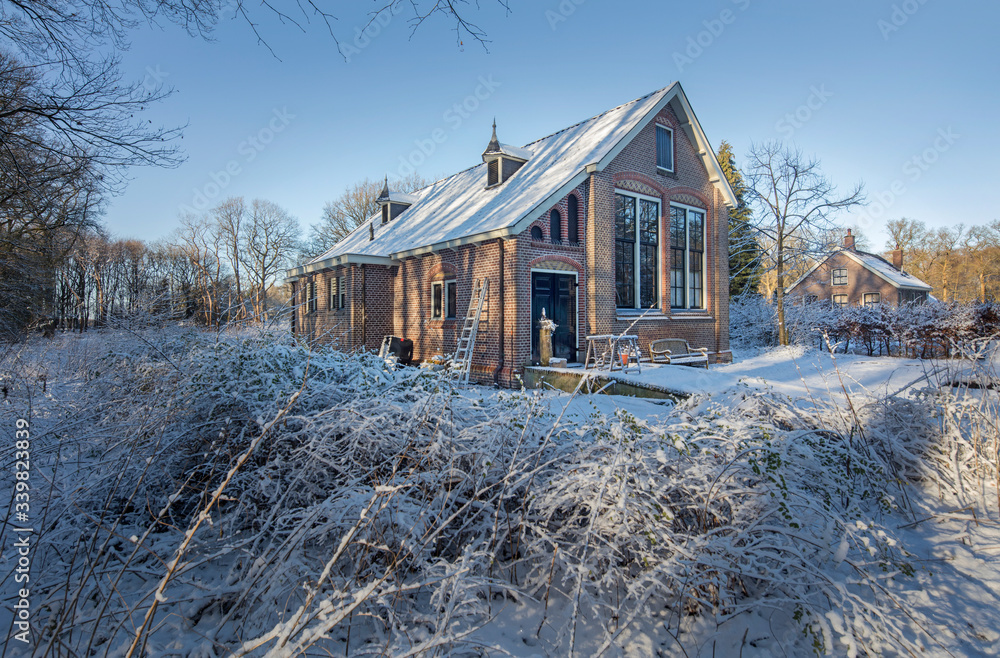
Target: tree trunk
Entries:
(780, 291)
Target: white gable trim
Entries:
(692, 128)
(343, 259)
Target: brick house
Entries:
(849, 277)
(615, 224)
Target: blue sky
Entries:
(899, 94)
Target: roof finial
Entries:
(384, 194)
(494, 145)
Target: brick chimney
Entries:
(897, 259)
(849, 240)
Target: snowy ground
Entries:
(800, 372)
(799, 502)
(952, 601)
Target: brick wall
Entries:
(860, 280)
(357, 325)
(397, 300)
(634, 169)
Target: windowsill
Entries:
(637, 314)
(657, 314)
(669, 173)
(690, 315)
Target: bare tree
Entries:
(71, 125)
(268, 246)
(356, 205)
(230, 216)
(945, 243)
(795, 203)
(982, 246)
(204, 248)
(905, 234)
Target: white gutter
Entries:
(297, 273)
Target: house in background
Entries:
(848, 277)
(617, 224)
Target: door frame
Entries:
(576, 298)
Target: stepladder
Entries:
(462, 361)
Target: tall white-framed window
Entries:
(664, 148)
(444, 299)
(637, 251)
(839, 277)
(437, 300)
(840, 300)
(687, 257)
(872, 298)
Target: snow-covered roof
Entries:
(876, 264)
(516, 151)
(460, 209)
(401, 197)
(885, 269)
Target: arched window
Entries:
(536, 233)
(555, 227)
(573, 220)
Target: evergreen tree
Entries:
(744, 251)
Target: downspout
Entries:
(364, 308)
(503, 337)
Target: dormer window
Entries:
(502, 161)
(392, 203)
(493, 173)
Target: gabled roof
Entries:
(461, 210)
(875, 264)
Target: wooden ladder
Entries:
(462, 361)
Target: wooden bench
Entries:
(676, 351)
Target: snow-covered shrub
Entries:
(752, 322)
(917, 330)
(242, 494)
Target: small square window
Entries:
(664, 148)
(437, 301)
(811, 299)
(840, 300)
(872, 298)
(451, 299)
(840, 277)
